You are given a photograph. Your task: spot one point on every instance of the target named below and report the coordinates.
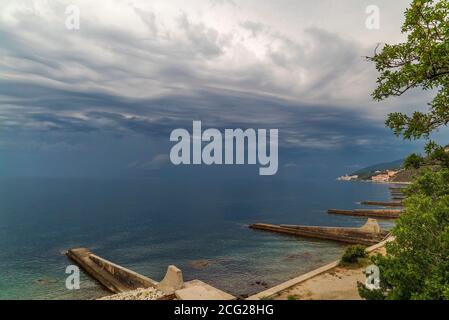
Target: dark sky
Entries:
(101, 101)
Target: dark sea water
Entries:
(147, 225)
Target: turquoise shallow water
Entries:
(148, 224)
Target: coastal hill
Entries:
(393, 171)
(382, 172)
(368, 172)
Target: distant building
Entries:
(384, 177)
(391, 173)
(348, 178)
(380, 178)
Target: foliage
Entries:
(417, 262)
(421, 62)
(413, 161)
(437, 154)
(416, 265)
(430, 184)
(374, 294)
(353, 253)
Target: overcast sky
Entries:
(105, 98)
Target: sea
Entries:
(148, 224)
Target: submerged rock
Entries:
(199, 264)
(45, 281)
(302, 255)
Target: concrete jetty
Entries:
(397, 188)
(371, 213)
(120, 280)
(397, 196)
(369, 234)
(394, 193)
(113, 277)
(382, 203)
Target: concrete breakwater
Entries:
(400, 189)
(397, 194)
(113, 277)
(369, 234)
(130, 285)
(371, 213)
(382, 203)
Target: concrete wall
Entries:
(129, 277)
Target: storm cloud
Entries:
(138, 69)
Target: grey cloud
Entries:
(207, 41)
(149, 19)
(327, 58)
(193, 56)
(50, 122)
(149, 79)
(223, 2)
(254, 27)
(306, 126)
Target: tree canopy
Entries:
(417, 262)
(416, 265)
(421, 62)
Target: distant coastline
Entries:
(390, 172)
